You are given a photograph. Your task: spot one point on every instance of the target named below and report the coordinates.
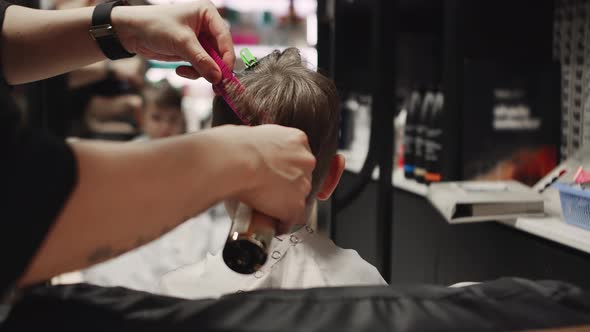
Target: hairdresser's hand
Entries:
(169, 33)
(281, 174)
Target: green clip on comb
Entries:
(248, 58)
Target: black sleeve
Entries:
(37, 174)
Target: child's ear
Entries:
(332, 178)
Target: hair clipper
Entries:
(248, 242)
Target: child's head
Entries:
(162, 115)
(282, 90)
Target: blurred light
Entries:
(306, 7)
(217, 3)
(312, 29)
(46, 4)
(177, 81)
(156, 74)
(277, 7)
(309, 54)
(161, 2)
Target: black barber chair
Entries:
(501, 305)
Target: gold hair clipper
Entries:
(247, 245)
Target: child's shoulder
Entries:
(344, 266)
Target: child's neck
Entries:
(310, 218)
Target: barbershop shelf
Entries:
(400, 182)
(398, 179)
(554, 229)
(551, 227)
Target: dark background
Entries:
(431, 42)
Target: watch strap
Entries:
(109, 43)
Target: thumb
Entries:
(193, 52)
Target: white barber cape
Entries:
(302, 259)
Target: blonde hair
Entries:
(281, 89)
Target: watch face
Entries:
(100, 31)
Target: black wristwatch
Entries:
(102, 31)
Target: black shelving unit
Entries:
(429, 42)
(498, 33)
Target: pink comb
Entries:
(227, 78)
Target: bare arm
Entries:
(130, 194)
(130, 70)
(38, 44)
(88, 74)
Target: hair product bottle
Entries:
(410, 133)
(433, 136)
(421, 127)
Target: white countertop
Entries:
(400, 182)
(554, 229)
(551, 227)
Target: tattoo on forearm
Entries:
(141, 241)
(105, 252)
(166, 229)
(100, 254)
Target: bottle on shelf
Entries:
(413, 110)
(421, 127)
(433, 141)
